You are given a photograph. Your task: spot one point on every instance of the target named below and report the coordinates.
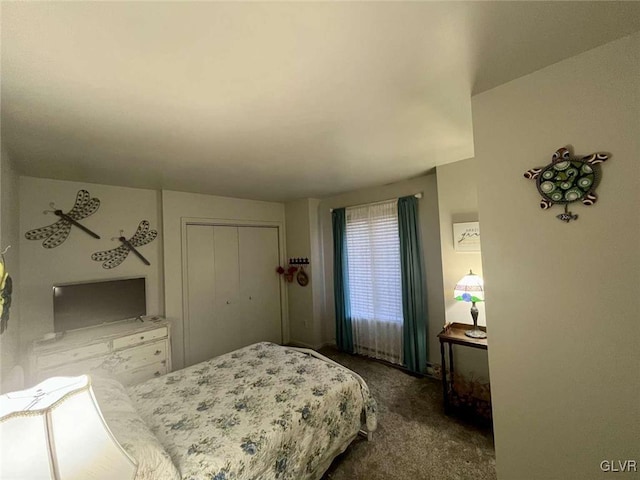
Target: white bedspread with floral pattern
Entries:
(261, 412)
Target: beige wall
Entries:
(41, 268)
(120, 207)
(179, 205)
(429, 228)
(9, 235)
(317, 277)
(564, 303)
(305, 322)
(458, 202)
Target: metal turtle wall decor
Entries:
(568, 179)
(56, 233)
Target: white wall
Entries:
(9, 235)
(41, 268)
(458, 202)
(179, 205)
(563, 314)
(429, 229)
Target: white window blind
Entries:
(373, 252)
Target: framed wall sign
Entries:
(466, 237)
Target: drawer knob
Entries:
(157, 374)
(164, 362)
(158, 352)
(142, 337)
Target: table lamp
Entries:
(56, 431)
(470, 289)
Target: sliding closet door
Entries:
(232, 291)
(260, 284)
(227, 335)
(199, 311)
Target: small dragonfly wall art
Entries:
(114, 257)
(56, 233)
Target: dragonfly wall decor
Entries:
(114, 257)
(57, 232)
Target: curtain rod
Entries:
(417, 195)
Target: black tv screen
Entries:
(93, 303)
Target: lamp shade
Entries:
(469, 288)
(56, 431)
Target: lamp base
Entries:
(476, 334)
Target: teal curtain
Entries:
(344, 333)
(414, 286)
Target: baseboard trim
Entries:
(433, 370)
(297, 343)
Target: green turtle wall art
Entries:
(568, 179)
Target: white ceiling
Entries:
(271, 101)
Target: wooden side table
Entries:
(454, 335)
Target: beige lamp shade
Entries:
(55, 431)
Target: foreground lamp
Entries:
(470, 288)
(56, 431)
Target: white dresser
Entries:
(129, 350)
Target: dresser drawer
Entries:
(69, 356)
(128, 366)
(138, 375)
(141, 355)
(141, 337)
(92, 366)
(127, 349)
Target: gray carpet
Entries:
(414, 440)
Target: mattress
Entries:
(261, 412)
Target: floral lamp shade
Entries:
(469, 288)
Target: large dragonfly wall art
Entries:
(56, 233)
(114, 257)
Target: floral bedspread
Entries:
(261, 412)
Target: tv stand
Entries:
(129, 350)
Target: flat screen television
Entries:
(79, 305)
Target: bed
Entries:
(261, 412)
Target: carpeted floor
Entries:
(414, 439)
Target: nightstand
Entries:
(454, 335)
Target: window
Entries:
(373, 250)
